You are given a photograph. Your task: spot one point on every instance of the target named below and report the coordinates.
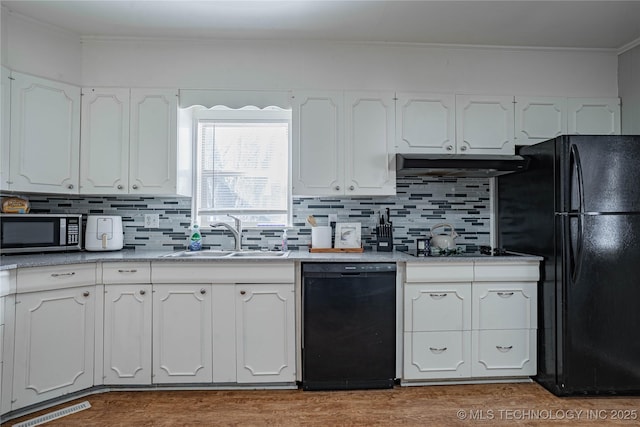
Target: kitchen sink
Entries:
(214, 253)
(259, 254)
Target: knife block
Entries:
(385, 238)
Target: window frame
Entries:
(251, 114)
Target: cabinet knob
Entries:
(134, 186)
(351, 187)
(243, 292)
(463, 148)
(85, 293)
(119, 186)
(142, 292)
(449, 147)
(203, 291)
(337, 187)
(70, 186)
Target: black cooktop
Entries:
(457, 253)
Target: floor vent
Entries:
(54, 415)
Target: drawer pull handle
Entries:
(128, 271)
(505, 294)
(437, 296)
(503, 348)
(73, 273)
(438, 350)
(85, 293)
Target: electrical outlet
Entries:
(333, 218)
(151, 221)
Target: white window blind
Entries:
(243, 170)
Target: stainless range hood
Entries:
(469, 165)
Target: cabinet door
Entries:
(54, 344)
(265, 325)
(5, 93)
(127, 334)
(45, 135)
(369, 132)
(594, 116)
(425, 123)
(317, 152)
(430, 355)
(153, 141)
(437, 307)
(500, 353)
(484, 124)
(182, 333)
(104, 161)
(7, 343)
(539, 119)
(504, 306)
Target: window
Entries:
(243, 167)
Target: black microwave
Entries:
(25, 233)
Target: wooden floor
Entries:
(493, 404)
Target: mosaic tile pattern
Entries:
(420, 203)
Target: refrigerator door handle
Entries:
(575, 246)
(576, 171)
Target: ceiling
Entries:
(564, 24)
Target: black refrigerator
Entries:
(578, 206)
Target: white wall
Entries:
(36, 48)
(39, 49)
(290, 65)
(629, 66)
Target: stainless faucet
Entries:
(237, 231)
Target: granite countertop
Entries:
(130, 255)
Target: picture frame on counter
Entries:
(348, 235)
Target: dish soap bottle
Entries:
(195, 241)
(285, 245)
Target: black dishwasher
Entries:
(349, 326)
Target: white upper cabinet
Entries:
(593, 116)
(153, 141)
(484, 125)
(318, 161)
(454, 124)
(343, 143)
(425, 123)
(539, 119)
(45, 135)
(104, 161)
(5, 93)
(130, 142)
(369, 133)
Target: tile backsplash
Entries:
(420, 203)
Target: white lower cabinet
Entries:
(265, 327)
(431, 355)
(499, 353)
(485, 328)
(54, 344)
(182, 333)
(127, 334)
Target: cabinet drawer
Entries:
(437, 307)
(223, 272)
(55, 277)
(496, 271)
(429, 355)
(504, 306)
(126, 272)
(439, 272)
(504, 353)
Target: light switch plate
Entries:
(151, 221)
